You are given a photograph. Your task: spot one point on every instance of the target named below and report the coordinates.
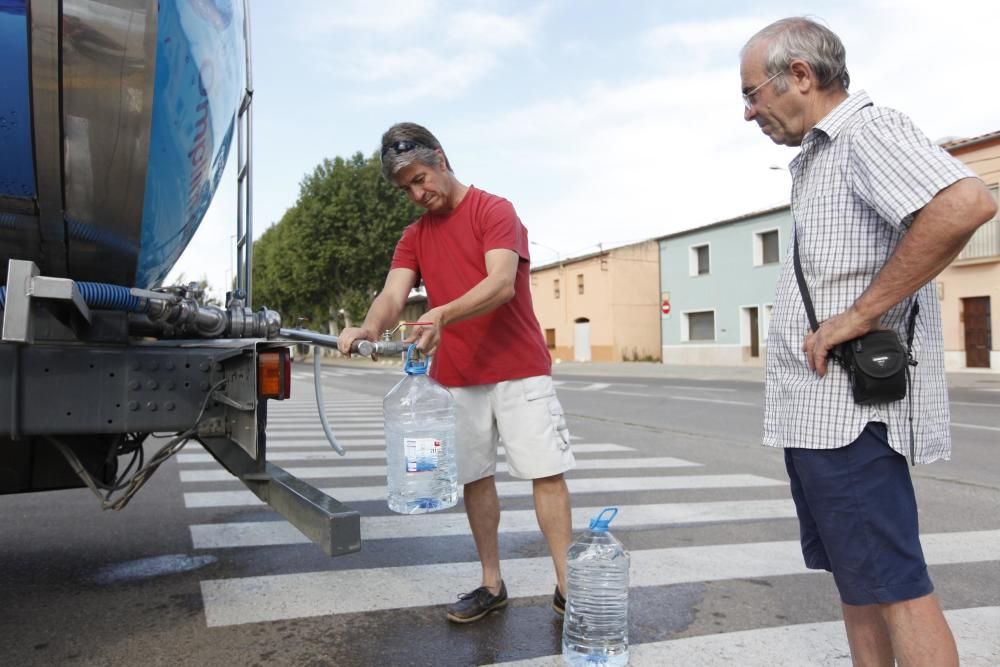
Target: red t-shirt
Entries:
(449, 253)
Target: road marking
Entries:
(596, 386)
(199, 499)
(710, 400)
(308, 594)
(318, 472)
(319, 440)
(805, 644)
(358, 450)
(683, 387)
(270, 533)
(976, 426)
(318, 431)
(355, 419)
(982, 405)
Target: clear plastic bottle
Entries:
(421, 471)
(595, 628)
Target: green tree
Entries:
(332, 249)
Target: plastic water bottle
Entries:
(420, 443)
(595, 629)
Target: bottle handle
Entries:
(614, 513)
(409, 366)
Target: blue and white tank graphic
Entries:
(197, 90)
(17, 168)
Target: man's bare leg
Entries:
(867, 636)
(552, 508)
(482, 507)
(920, 634)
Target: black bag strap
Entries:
(811, 312)
(803, 290)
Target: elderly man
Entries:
(878, 211)
(471, 251)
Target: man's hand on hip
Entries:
(831, 333)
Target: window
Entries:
(698, 262)
(550, 338)
(555, 288)
(701, 326)
(766, 248)
(579, 283)
(986, 241)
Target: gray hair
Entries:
(406, 143)
(801, 38)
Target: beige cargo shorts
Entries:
(525, 415)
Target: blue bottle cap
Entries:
(600, 524)
(414, 367)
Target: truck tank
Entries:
(116, 118)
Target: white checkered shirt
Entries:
(862, 173)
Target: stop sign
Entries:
(666, 306)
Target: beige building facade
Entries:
(969, 289)
(604, 306)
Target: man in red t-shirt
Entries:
(471, 251)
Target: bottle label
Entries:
(421, 454)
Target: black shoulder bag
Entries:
(877, 365)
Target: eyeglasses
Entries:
(748, 98)
(401, 146)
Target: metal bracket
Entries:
(23, 285)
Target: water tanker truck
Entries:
(116, 122)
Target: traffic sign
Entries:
(666, 306)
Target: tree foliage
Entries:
(332, 249)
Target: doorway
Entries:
(978, 336)
(581, 340)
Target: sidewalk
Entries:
(966, 379)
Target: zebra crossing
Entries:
(295, 437)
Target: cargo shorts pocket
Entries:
(540, 390)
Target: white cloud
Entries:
(399, 17)
(479, 30)
(616, 161)
(724, 35)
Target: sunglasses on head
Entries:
(401, 146)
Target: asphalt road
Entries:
(192, 574)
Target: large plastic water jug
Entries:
(420, 442)
(595, 628)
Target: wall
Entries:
(733, 284)
(620, 301)
(972, 277)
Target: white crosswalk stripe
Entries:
(505, 489)
(379, 471)
(261, 533)
(794, 646)
(319, 450)
(276, 597)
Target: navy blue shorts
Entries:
(858, 518)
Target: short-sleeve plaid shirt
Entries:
(861, 175)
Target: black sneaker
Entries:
(473, 606)
(559, 602)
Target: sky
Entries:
(605, 123)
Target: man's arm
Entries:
(496, 289)
(938, 233)
(384, 311)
